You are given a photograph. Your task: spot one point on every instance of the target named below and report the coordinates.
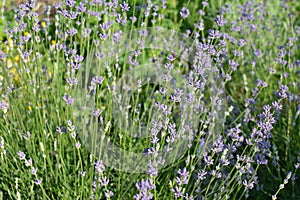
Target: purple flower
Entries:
(78, 58)
(184, 176)
(163, 91)
(117, 36)
(61, 129)
(86, 32)
(81, 8)
(276, 105)
(33, 171)
(201, 174)
(170, 57)
(38, 181)
(184, 12)
(204, 3)
(272, 71)
(199, 25)
(153, 170)
(68, 14)
(219, 146)
(281, 93)
(225, 9)
(125, 7)
(220, 21)
(97, 112)
(242, 42)
(208, 159)
(68, 99)
(77, 145)
(70, 3)
(143, 33)
(260, 83)
(261, 159)
(72, 82)
(72, 31)
(21, 155)
(99, 167)
(133, 18)
(109, 194)
(233, 64)
(177, 192)
(28, 162)
(106, 26)
(258, 53)
(82, 173)
(248, 185)
(176, 96)
(75, 65)
(28, 135)
(97, 80)
(214, 34)
(2, 55)
(144, 187)
(103, 36)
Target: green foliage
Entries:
(36, 106)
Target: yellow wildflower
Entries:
(13, 71)
(10, 41)
(17, 59)
(43, 24)
(25, 90)
(53, 42)
(16, 77)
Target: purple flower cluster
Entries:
(144, 187)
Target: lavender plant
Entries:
(150, 99)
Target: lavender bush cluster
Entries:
(150, 99)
